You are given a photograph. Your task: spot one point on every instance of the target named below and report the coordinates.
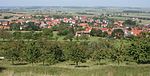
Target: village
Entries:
(74, 38)
(83, 24)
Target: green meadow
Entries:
(68, 69)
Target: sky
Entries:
(83, 3)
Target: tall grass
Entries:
(138, 70)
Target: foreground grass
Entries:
(64, 69)
(57, 71)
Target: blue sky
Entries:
(121, 3)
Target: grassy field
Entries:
(66, 69)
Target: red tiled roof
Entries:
(83, 17)
(118, 23)
(104, 24)
(84, 25)
(136, 32)
(104, 29)
(88, 29)
(49, 23)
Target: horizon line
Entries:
(79, 6)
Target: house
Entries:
(109, 32)
(83, 17)
(86, 31)
(20, 21)
(104, 23)
(4, 22)
(92, 20)
(119, 23)
(49, 23)
(136, 31)
(73, 21)
(80, 33)
(43, 25)
(128, 32)
(56, 21)
(66, 20)
(147, 27)
(104, 29)
(96, 24)
(83, 25)
(2, 58)
(4, 27)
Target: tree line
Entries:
(51, 52)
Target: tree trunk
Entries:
(99, 63)
(118, 62)
(43, 62)
(32, 63)
(71, 40)
(77, 63)
(12, 61)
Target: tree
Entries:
(15, 51)
(69, 36)
(110, 23)
(47, 33)
(139, 51)
(140, 21)
(55, 28)
(100, 54)
(32, 53)
(99, 33)
(92, 47)
(93, 32)
(83, 37)
(118, 33)
(54, 54)
(63, 32)
(104, 34)
(43, 46)
(63, 29)
(30, 35)
(32, 27)
(130, 23)
(144, 35)
(4, 34)
(101, 49)
(17, 35)
(37, 35)
(77, 54)
(118, 54)
(7, 17)
(15, 26)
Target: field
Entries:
(66, 69)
